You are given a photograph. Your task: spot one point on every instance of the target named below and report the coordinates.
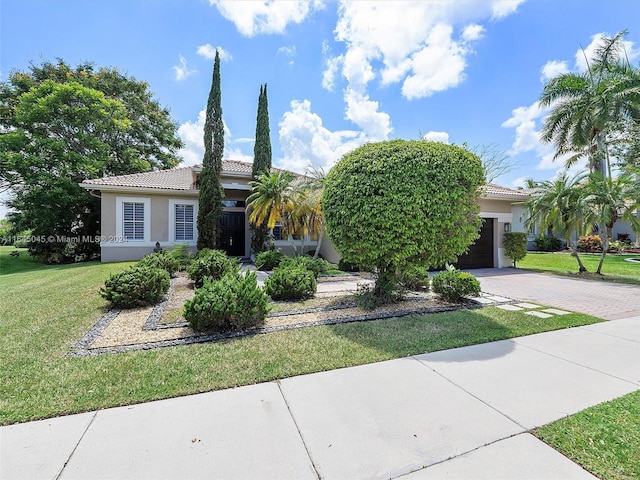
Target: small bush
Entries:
(290, 283)
(268, 260)
(548, 243)
(315, 266)
(136, 287)
(453, 284)
(211, 264)
(347, 267)
(370, 296)
(231, 303)
(415, 278)
(515, 246)
(590, 244)
(181, 252)
(161, 260)
(619, 246)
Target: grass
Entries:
(615, 268)
(604, 439)
(45, 309)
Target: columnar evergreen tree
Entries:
(211, 192)
(261, 163)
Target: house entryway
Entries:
(232, 234)
(480, 254)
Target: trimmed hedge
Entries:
(137, 286)
(234, 302)
(548, 243)
(315, 266)
(590, 244)
(453, 284)
(291, 283)
(415, 278)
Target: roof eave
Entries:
(130, 189)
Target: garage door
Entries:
(480, 254)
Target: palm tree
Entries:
(271, 198)
(559, 204)
(610, 200)
(587, 107)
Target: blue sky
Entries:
(339, 74)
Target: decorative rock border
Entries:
(81, 348)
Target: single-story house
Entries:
(141, 209)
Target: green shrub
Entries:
(548, 243)
(136, 287)
(161, 260)
(619, 246)
(211, 264)
(182, 253)
(315, 266)
(370, 296)
(415, 278)
(392, 204)
(290, 283)
(347, 267)
(230, 303)
(453, 284)
(268, 260)
(515, 246)
(590, 244)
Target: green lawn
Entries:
(615, 268)
(44, 310)
(604, 439)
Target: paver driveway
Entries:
(609, 301)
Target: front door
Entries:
(232, 234)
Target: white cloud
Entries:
(423, 46)
(181, 70)
(364, 112)
(552, 69)
(207, 51)
(504, 8)
(329, 75)
(432, 136)
(265, 16)
(588, 52)
(519, 182)
(287, 51)
(473, 32)
(306, 141)
(436, 67)
(192, 134)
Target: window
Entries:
(277, 232)
(183, 226)
(184, 222)
(133, 220)
(233, 203)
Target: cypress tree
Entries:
(261, 162)
(211, 191)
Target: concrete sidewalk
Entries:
(461, 413)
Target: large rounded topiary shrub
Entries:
(390, 205)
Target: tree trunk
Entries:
(320, 237)
(574, 253)
(605, 247)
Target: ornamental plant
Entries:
(162, 260)
(233, 302)
(515, 246)
(291, 283)
(393, 204)
(212, 265)
(453, 284)
(137, 286)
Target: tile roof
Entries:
(174, 179)
(493, 190)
